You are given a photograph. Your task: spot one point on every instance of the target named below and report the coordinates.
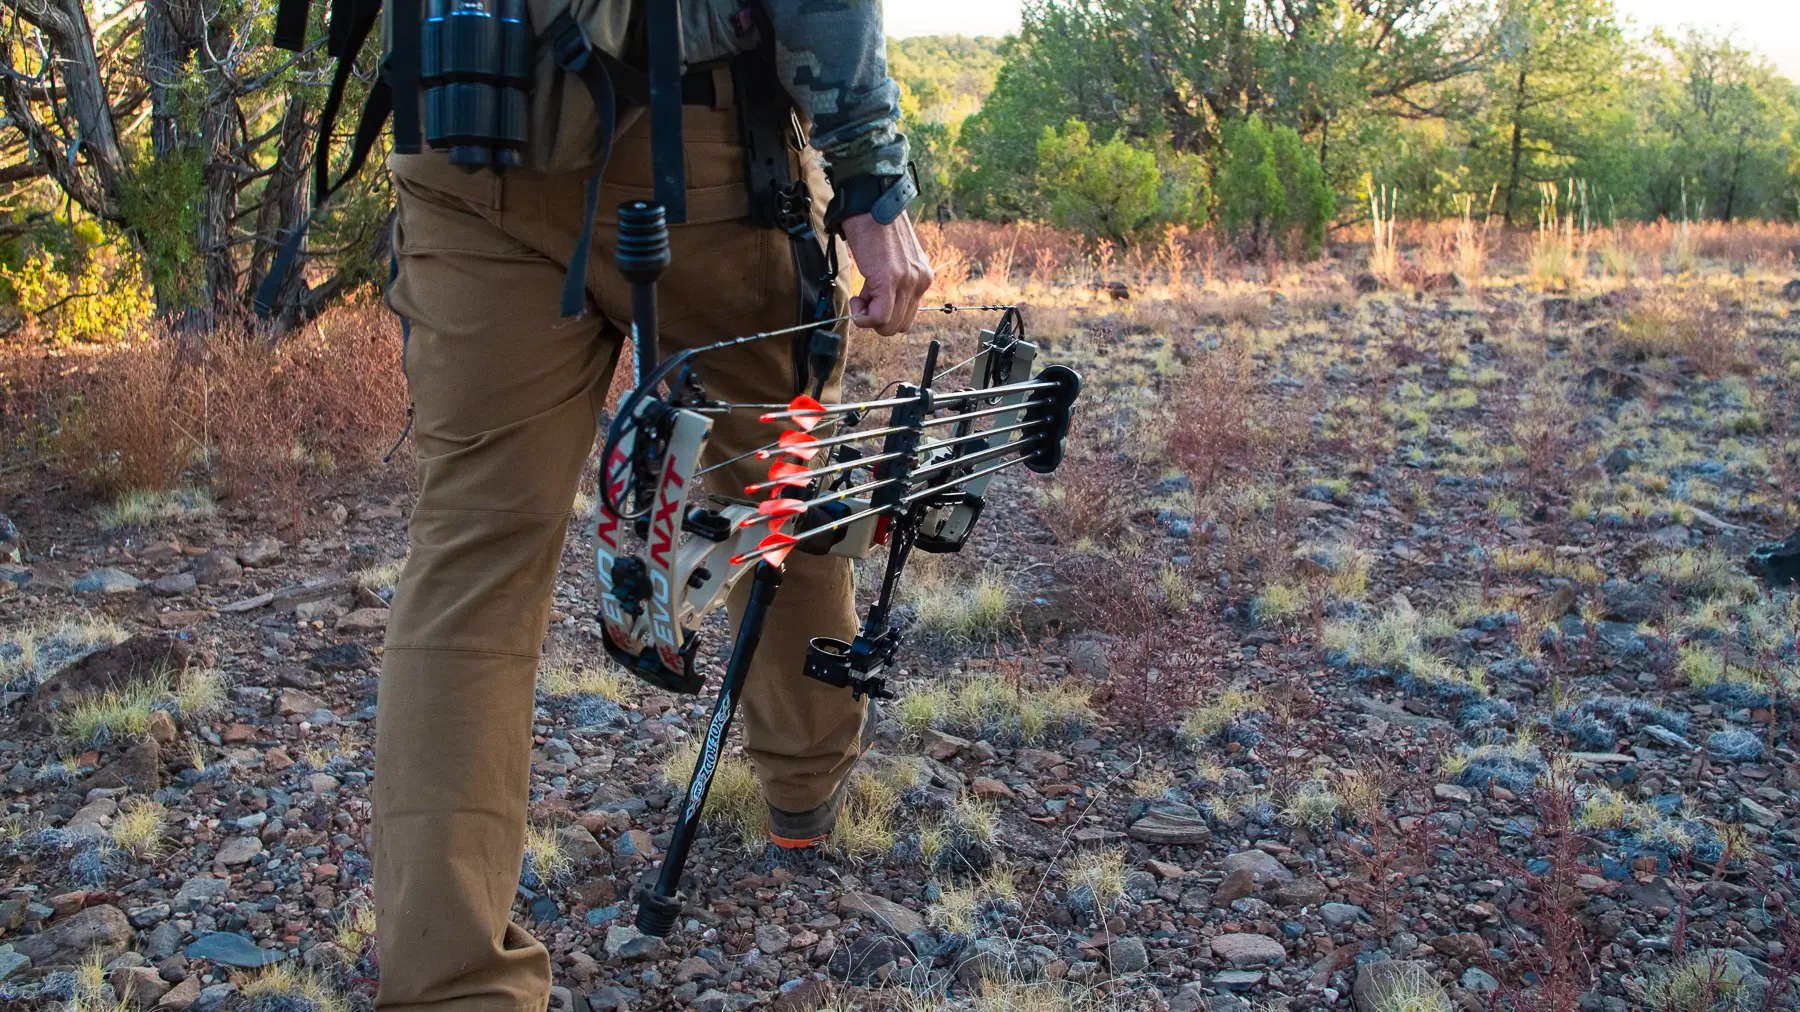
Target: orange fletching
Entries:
(775, 548)
(788, 473)
(809, 412)
(780, 509)
(801, 445)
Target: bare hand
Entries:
(894, 269)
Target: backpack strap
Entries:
(290, 24)
(570, 49)
(351, 23)
(767, 128)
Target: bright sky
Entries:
(1772, 26)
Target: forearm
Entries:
(832, 58)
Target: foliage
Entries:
(1116, 191)
(1271, 186)
(77, 282)
(159, 202)
(1437, 100)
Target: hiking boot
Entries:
(800, 831)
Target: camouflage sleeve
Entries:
(833, 61)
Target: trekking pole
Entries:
(642, 256)
(660, 907)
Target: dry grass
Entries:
(545, 855)
(91, 993)
(976, 819)
(34, 650)
(1705, 981)
(143, 509)
(956, 610)
(385, 573)
(1688, 322)
(143, 416)
(123, 714)
(562, 677)
(865, 827)
(138, 828)
(285, 987)
(1102, 872)
(1207, 719)
(356, 928)
(734, 802)
(1226, 426)
(988, 707)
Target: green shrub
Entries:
(1272, 186)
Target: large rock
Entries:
(1398, 983)
(579, 843)
(107, 580)
(1243, 950)
(364, 620)
(200, 891)
(232, 950)
(1338, 916)
(239, 850)
(264, 551)
(1778, 564)
(296, 702)
(173, 585)
(12, 961)
(138, 986)
(1127, 956)
(181, 997)
(117, 668)
(860, 960)
(895, 918)
(1172, 825)
(216, 566)
(139, 768)
(624, 941)
(1634, 602)
(73, 939)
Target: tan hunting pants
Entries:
(508, 397)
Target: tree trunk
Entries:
(90, 139)
(168, 41)
(1518, 137)
(218, 207)
(170, 31)
(1737, 166)
(86, 86)
(284, 204)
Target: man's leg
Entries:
(507, 398)
(802, 734)
(726, 279)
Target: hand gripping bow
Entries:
(918, 480)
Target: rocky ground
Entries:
(1374, 648)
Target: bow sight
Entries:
(918, 481)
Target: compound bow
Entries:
(922, 488)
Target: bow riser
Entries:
(670, 569)
(608, 531)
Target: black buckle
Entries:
(569, 44)
(793, 208)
